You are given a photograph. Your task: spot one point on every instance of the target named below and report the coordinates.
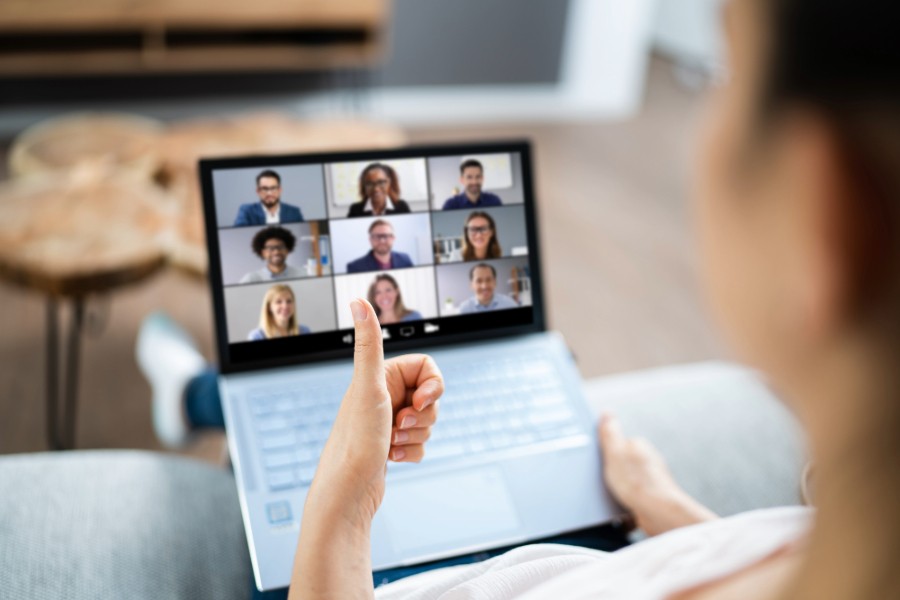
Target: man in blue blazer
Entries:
(382, 256)
(270, 209)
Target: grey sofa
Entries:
(131, 524)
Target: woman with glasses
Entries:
(479, 239)
(379, 193)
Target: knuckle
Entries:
(363, 344)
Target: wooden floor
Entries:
(619, 265)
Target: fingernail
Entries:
(359, 310)
(407, 422)
(398, 454)
(429, 390)
(400, 437)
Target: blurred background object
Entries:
(117, 93)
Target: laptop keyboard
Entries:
(497, 405)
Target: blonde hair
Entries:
(267, 321)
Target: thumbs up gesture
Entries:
(387, 413)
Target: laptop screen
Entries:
(441, 241)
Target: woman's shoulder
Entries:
(401, 206)
(412, 315)
(257, 334)
(356, 209)
(304, 330)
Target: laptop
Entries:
(514, 454)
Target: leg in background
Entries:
(202, 402)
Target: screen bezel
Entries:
(208, 165)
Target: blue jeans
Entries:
(202, 402)
(204, 410)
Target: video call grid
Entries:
(430, 210)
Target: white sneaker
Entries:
(168, 358)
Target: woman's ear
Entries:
(827, 222)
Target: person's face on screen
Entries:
(282, 309)
(269, 191)
(376, 183)
(275, 253)
(385, 295)
(479, 233)
(483, 284)
(472, 179)
(382, 239)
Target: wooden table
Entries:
(85, 217)
(70, 240)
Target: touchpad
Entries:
(451, 509)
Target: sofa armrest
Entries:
(728, 440)
(119, 524)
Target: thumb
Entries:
(368, 354)
(611, 436)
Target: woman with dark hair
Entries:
(379, 192)
(384, 296)
(798, 211)
(480, 241)
(798, 205)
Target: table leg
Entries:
(73, 355)
(61, 427)
(52, 382)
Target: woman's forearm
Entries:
(334, 553)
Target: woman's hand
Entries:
(387, 412)
(638, 477)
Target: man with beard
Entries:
(382, 255)
(483, 281)
(471, 176)
(270, 210)
(273, 244)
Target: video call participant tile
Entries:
(267, 310)
(475, 181)
(476, 287)
(380, 243)
(274, 252)
(256, 196)
(479, 234)
(399, 296)
(373, 188)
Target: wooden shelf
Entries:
(52, 37)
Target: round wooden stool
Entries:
(69, 239)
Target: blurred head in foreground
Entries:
(798, 206)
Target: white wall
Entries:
(689, 31)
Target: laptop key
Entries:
(444, 450)
(305, 474)
(274, 460)
(278, 441)
(281, 479)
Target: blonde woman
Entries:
(384, 295)
(278, 316)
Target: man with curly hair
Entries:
(273, 244)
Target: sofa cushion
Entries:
(119, 524)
